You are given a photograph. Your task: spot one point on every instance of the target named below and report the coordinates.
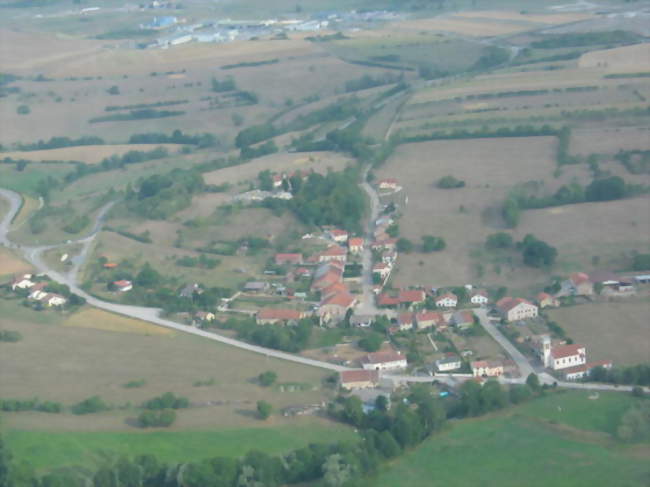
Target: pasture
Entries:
(631, 59)
(47, 450)
(609, 140)
(11, 264)
(527, 445)
(90, 154)
(70, 363)
(616, 331)
(98, 319)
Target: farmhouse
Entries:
(463, 319)
(487, 368)
(387, 301)
(334, 308)
(515, 309)
(359, 379)
(451, 362)
(447, 300)
(292, 259)
(389, 360)
(52, 299)
(333, 253)
(22, 282)
(405, 321)
(479, 298)
(411, 297)
(427, 319)
(123, 285)
(337, 235)
(545, 300)
(355, 245)
(388, 183)
(578, 284)
(271, 316)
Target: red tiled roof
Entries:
(335, 288)
(405, 318)
(480, 293)
(348, 376)
(334, 250)
(278, 314)
(586, 367)
(337, 233)
(355, 242)
(578, 278)
(411, 296)
(430, 316)
(447, 295)
(507, 303)
(388, 181)
(122, 283)
(562, 351)
(543, 296)
(288, 258)
(343, 299)
(383, 357)
(386, 300)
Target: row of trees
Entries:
(286, 338)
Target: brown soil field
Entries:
(512, 15)
(98, 319)
(609, 230)
(609, 140)
(469, 27)
(318, 161)
(632, 59)
(68, 364)
(90, 154)
(11, 264)
(616, 331)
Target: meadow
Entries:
(90, 154)
(560, 439)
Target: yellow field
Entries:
(90, 154)
(632, 59)
(29, 206)
(468, 27)
(537, 18)
(98, 319)
(10, 264)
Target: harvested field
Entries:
(90, 154)
(29, 206)
(305, 161)
(616, 331)
(469, 27)
(632, 59)
(609, 140)
(98, 319)
(11, 264)
(68, 364)
(536, 18)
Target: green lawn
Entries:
(46, 450)
(516, 449)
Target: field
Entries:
(531, 445)
(632, 59)
(48, 450)
(70, 363)
(98, 319)
(504, 15)
(599, 140)
(462, 26)
(613, 331)
(90, 154)
(10, 264)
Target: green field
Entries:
(27, 181)
(520, 448)
(47, 450)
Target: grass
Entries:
(102, 320)
(49, 450)
(10, 264)
(513, 450)
(27, 181)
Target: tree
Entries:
(267, 378)
(5, 462)
(404, 245)
(148, 277)
(381, 403)
(492, 396)
(264, 409)
(393, 230)
(519, 393)
(387, 444)
(606, 189)
(450, 182)
(371, 342)
(266, 180)
(532, 381)
(432, 244)
(537, 253)
(353, 411)
(113, 90)
(335, 471)
(499, 240)
(641, 262)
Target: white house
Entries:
(487, 368)
(580, 371)
(337, 235)
(54, 300)
(382, 269)
(389, 360)
(388, 183)
(515, 309)
(479, 298)
(123, 285)
(22, 282)
(447, 364)
(447, 300)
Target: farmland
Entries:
(90, 154)
(515, 440)
(613, 331)
(10, 264)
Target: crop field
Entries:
(611, 231)
(613, 331)
(29, 206)
(318, 161)
(51, 449)
(11, 264)
(98, 319)
(568, 428)
(463, 26)
(70, 363)
(90, 154)
(505, 15)
(635, 58)
(609, 140)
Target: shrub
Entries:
(267, 378)
(23, 110)
(264, 409)
(94, 404)
(161, 419)
(167, 401)
(450, 182)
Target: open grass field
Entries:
(609, 140)
(505, 15)
(90, 154)
(631, 59)
(47, 450)
(527, 445)
(616, 331)
(70, 363)
(27, 181)
(98, 319)
(11, 264)
(463, 26)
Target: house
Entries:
(560, 357)
(292, 259)
(479, 298)
(389, 257)
(337, 287)
(110, 265)
(333, 253)
(447, 300)
(358, 379)
(325, 276)
(388, 360)
(387, 301)
(487, 368)
(334, 308)
(405, 321)
(515, 309)
(204, 316)
(189, 290)
(355, 245)
(387, 184)
(256, 287)
(123, 285)
(52, 299)
(37, 291)
(277, 180)
(22, 282)
(580, 284)
(411, 297)
(580, 371)
(362, 321)
(271, 316)
(302, 272)
(451, 362)
(382, 269)
(427, 319)
(337, 235)
(463, 319)
(545, 300)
